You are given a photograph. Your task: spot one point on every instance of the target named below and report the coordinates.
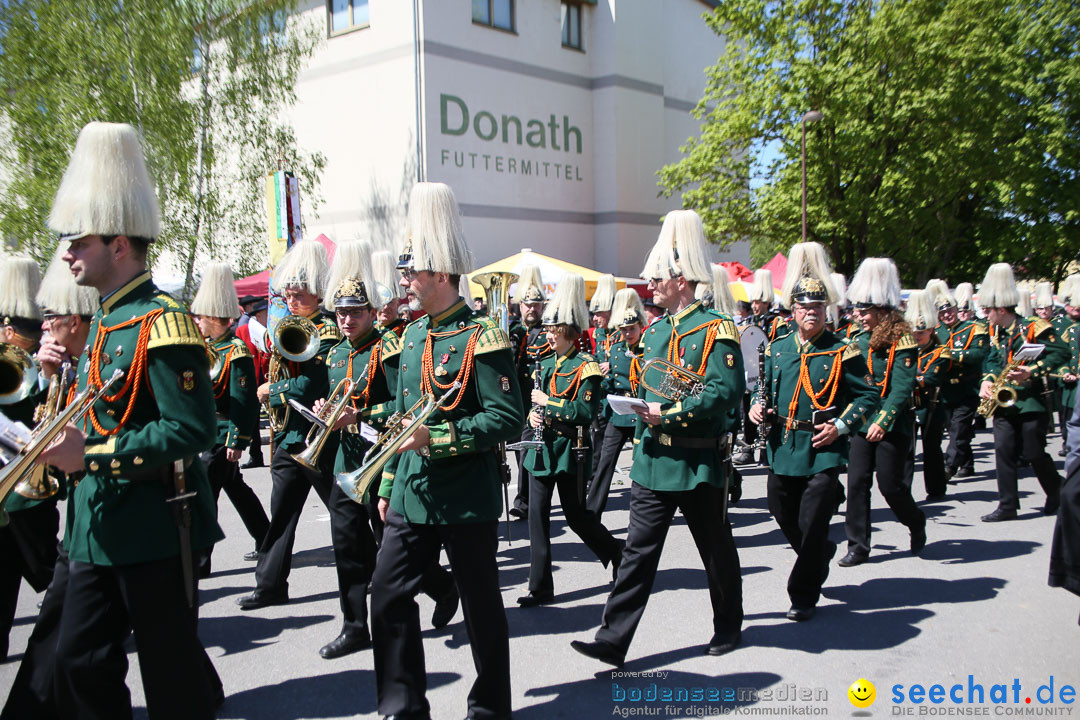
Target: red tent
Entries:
(778, 267)
(737, 271)
(259, 283)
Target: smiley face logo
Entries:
(862, 693)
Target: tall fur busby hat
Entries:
(763, 287)
(807, 278)
(936, 287)
(876, 284)
(1044, 295)
(723, 300)
(352, 261)
(1023, 307)
(530, 286)
(20, 279)
(385, 275)
(679, 250)
(604, 295)
(965, 294)
(921, 312)
(106, 189)
(60, 294)
(626, 309)
(435, 240)
(217, 293)
(304, 266)
(839, 283)
(998, 288)
(567, 305)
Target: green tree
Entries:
(948, 139)
(205, 81)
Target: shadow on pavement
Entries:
(954, 552)
(244, 631)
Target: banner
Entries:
(283, 229)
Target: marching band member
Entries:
(1043, 306)
(256, 310)
(385, 274)
(881, 443)
(301, 278)
(762, 302)
(214, 309)
(814, 392)
(530, 346)
(1023, 426)
(935, 359)
(1023, 306)
(1070, 334)
(601, 336)
(443, 488)
(563, 402)
(965, 302)
(967, 341)
(680, 448)
(132, 527)
(624, 360)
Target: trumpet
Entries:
(322, 423)
(37, 483)
(675, 384)
(18, 374)
(296, 339)
(399, 428)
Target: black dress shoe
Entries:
(252, 556)
(252, 464)
(999, 515)
(445, 608)
(263, 598)
(599, 650)
(1051, 507)
(964, 472)
(723, 643)
(852, 559)
(518, 513)
(407, 716)
(801, 614)
(935, 497)
(345, 644)
(532, 599)
(918, 540)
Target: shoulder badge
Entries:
(504, 383)
(187, 380)
(240, 349)
(168, 301)
(586, 357)
(729, 360)
(174, 327)
(1039, 326)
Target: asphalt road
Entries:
(973, 611)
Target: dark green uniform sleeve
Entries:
(863, 396)
(897, 400)
(243, 403)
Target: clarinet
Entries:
(763, 399)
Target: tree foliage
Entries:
(949, 136)
(205, 81)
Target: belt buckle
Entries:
(665, 439)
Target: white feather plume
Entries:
(876, 282)
(998, 288)
(682, 234)
(60, 294)
(567, 305)
(20, 279)
(808, 258)
(433, 231)
(604, 295)
(217, 293)
(304, 266)
(763, 290)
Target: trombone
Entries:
(295, 339)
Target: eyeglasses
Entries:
(409, 274)
(49, 318)
(349, 312)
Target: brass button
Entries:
(94, 466)
(405, 392)
(114, 464)
(137, 460)
(110, 412)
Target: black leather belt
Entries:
(797, 424)
(562, 429)
(719, 442)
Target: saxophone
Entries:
(1002, 394)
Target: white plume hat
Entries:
(1044, 295)
(1023, 307)
(60, 294)
(723, 300)
(808, 275)
(627, 309)
(964, 294)
(604, 295)
(106, 189)
(304, 266)
(352, 261)
(839, 283)
(567, 305)
(921, 312)
(435, 240)
(217, 293)
(385, 274)
(530, 286)
(876, 284)
(679, 250)
(998, 288)
(20, 279)
(763, 287)
(936, 287)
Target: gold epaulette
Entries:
(906, 342)
(329, 331)
(492, 337)
(946, 354)
(240, 349)
(850, 351)
(979, 329)
(768, 349)
(391, 344)
(1039, 326)
(174, 327)
(726, 330)
(590, 367)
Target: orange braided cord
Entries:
(133, 381)
(806, 385)
(571, 388)
(427, 365)
(710, 338)
(222, 382)
(884, 384)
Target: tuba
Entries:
(674, 383)
(296, 339)
(322, 423)
(18, 374)
(497, 291)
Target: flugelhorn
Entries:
(296, 339)
(322, 423)
(675, 382)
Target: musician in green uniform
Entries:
(624, 364)
(879, 446)
(1021, 428)
(1070, 334)
(935, 360)
(681, 445)
(564, 400)
(233, 380)
(144, 505)
(603, 336)
(813, 393)
(967, 341)
(443, 489)
(1044, 308)
(530, 346)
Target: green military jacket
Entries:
(895, 385)
(1030, 398)
(458, 477)
(935, 361)
(572, 404)
(621, 360)
(372, 360)
(306, 383)
(235, 400)
(968, 343)
(704, 342)
(1071, 337)
(603, 340)
(24, 411)
(790, 451)
(160, 412)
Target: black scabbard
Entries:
(181, 506)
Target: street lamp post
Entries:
(812, 116)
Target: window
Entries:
(347, 15)
(494, 13)
(571, 25)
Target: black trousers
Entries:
(354, 558)
(932, 431)
(610, 447)
(407, 552)
(803, 507)
(436, 582)
(225, 475)
(255, 453)
(101, 605)
(961, 421)
(584, 524)
(885, 457)
(1024, 436)
(651, 513)
(596, 437)
(521, 500)
(292, 482)
(27, 551)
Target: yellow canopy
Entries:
(551, 272)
